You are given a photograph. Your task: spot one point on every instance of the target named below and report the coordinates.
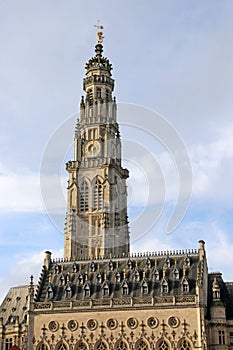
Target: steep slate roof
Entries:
(66, 280)
(15, 305)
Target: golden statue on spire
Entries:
(99, 33)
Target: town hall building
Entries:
(99, 296)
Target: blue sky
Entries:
(173, 57)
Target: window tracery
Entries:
(81, 346)
(98, 195)
(141, 345)
(163, 345)
(121, 345)
(61, 346)
(101, 345)
(184, 344)
(42, 346)
(84, 197)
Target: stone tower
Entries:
(96, 219)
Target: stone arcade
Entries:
(99, 296)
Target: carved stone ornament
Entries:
(153, 322)
(53, 326)
(173, 321)
(72, 325)
(132, 323)
(92, 324)
(112, 323)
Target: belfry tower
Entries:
(96, 219)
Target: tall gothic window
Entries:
(184, 344)
(98, 195)
(61, 346)
(100, 345)
(121, 345)
(84, 197)
(163, 345)
(141, 345)
(81, 346)
(42, 346)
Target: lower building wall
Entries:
(119, 329)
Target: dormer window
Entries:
(137, 276)
(187, 261)
(49, 292)
(68, 291)
(92, 266)
(56, 268)
(185, 285)
(167, 263)
(148, 263)
(62, 280)
(110, 265)
(130, 264)
(156, 274)
(118, 276)
(125, 288)
(106, 290)
(176, 274)
(99, 277)
(80, 278)
(164, 286)
(144, 287)
(86, 290)
(74, 268)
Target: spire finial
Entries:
(99, 33)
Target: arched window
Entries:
(185, 285)
(176, 274)
(125, 288)
(61, 346)
(136, 275)
(101, 345)
(141, 345)
(49, 292)
(121, 345)
(156, 274)
(144, 287)
(184, 344)
(42, 346)
(162, 345)
(164, 286)
(81, 346)
(68, 291)
(106, 290)
(98, 195)
(86, 290)
(84, 197)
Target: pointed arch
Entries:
(84, 194)
(141, 344)
(184, 344)
(81, 345)
(121, 344)
(98, 194)
(101, 345)
(42, 346)
(61, 345)
(163, 344)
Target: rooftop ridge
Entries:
(165, 253)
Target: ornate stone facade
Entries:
(99, 296)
